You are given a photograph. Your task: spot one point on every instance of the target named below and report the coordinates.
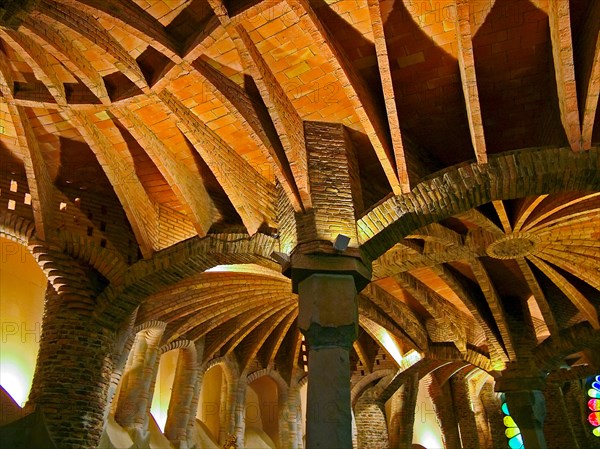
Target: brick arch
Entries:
(281, 384)
(366, 381)
(106, 261)
(16, 229)
(188, 258)
(510, 175)
(177, 344)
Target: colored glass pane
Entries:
(593, 419)
(596, 385)
(509, 422)
(594, 405)
(596, 431)
(597, 378)
(593, 393)
(512, 432)
(505, 409)
(516, 442)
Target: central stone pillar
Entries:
(328, 318)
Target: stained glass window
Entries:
(594, 404)
(512, 432)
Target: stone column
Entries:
(328, 318)
(135, 398)
(73, 373)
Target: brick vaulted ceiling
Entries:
(165, 129)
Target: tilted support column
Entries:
(135, 398)
(182, 398)
(72, 375)
(528, 408)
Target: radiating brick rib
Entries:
(387, 84)
(466, 63)
(249, 349)
(387, 306)
(39, 182)
(479, 219)
(271, 315)
(59, 46)
(133, 19)
(566, 220)
(589, 65)
(579, 300)
(578, 265)
(363, 356)
(562, 52)
(285, 118)
(539, 296)
(443, 312)
(527, 207)
(279, 334)
(557, 208)
(226, 333)
(187, 185)
(140, 211)
(438, 233)
(254, 116)
(260, 330)
(482, 317)
(251, 194)
(42, 65)
(495, 303)
(356, 91)
(92, 31)
(503, 216)
(215, 314)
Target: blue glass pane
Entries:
(596, 385)
(516, 442)
(505, 409)
(597, 378)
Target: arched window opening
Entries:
(22, 290)
(212, 405)
(512, 432)
(262, 414)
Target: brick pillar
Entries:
(236, 409)
(371, 422)
(575, 398)
(463, 410)
(441, 397)
(328, 318)
(528, 408)
(72, 374)
(491, 404)
(135, 398)
(291, 419)
(483, 427)
(408, 396)
(557, 427)
(182, 397)
(124, 342)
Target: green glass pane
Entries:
(509, 422)
(512, 432)
(516, 442)
(596, 431)
(594, 393)
(505, 409)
